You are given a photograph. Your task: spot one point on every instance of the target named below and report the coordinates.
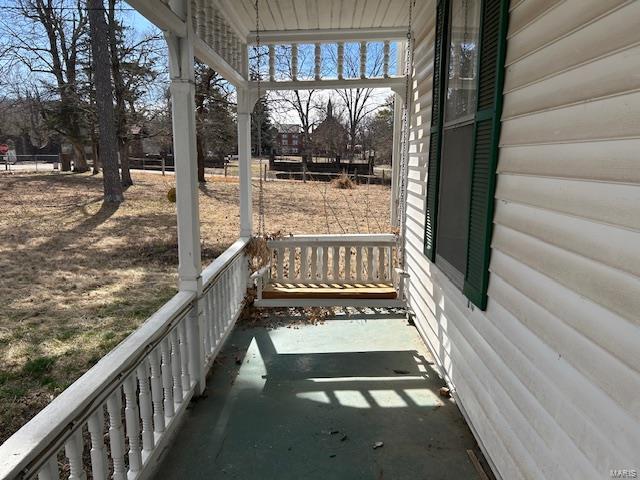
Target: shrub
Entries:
(343, 182)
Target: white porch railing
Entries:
(225, 287)
(336, 259)
(135, 396)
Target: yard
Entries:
(77, 277)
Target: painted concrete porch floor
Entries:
(310, 402)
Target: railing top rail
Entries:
(86, 393)
(328, 35)
(220, 264)
(373, 239)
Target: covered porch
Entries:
(191, 394)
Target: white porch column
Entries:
(396, 152)
(181, 60)
(245, 107)
(186, 170)
(396, 155)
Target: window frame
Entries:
(486, 124)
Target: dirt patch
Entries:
(78, 276)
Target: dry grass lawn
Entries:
(76, 277)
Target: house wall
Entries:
(549, 374)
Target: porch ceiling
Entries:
(319, 14)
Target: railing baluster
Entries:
(167, 377)
(176, 365)
(292, 264)
(272, 63)
(336, 264)
(237, 287)
(156, 391)
(389, 264)
(206, 334)
(385, 59)
(217, 31)
(146, 409)
(374, 270)
(340, 60)
(132, 416)
(280, 265)
(325, 263)
(234, 288)
(314, 263)
(228, 280)
(304, 263)
(370, 264)
(381, 264)
(212, 330)
(318, 60)
(98, 453)
(201, 19)
(184, 355)
(229, 53)
(347, 263)
(358, 263)
(73, 451)
(224, 301)
(50, 470)
(218, 310)
(294, 61)
(209, 30)
(116, 435)
(363, 59)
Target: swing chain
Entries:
(258, 116)
(405, 139)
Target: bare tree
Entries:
(212, 92)
(304, 103)
(46, 37)
(104, 101)
(133, 62)
(359, 102)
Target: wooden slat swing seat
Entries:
(331, 270)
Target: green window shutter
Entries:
(485, 152)
(435, 138)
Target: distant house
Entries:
(330, 137)
(289, 139)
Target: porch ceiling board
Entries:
(281, 15)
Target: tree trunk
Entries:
(104, 102)
(122, 133)
(96, 158)
(200, 150)
(79, 159)
(124, 164)
(65, 162)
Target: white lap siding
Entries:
(549, 374)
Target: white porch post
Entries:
(395, 158)
(396, 153)
(245, 106)
(181, 59)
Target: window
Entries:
(467, 98)
(462, 62)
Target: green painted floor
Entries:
(309, 402)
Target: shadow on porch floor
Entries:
(309, 402)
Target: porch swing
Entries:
(354, 270)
